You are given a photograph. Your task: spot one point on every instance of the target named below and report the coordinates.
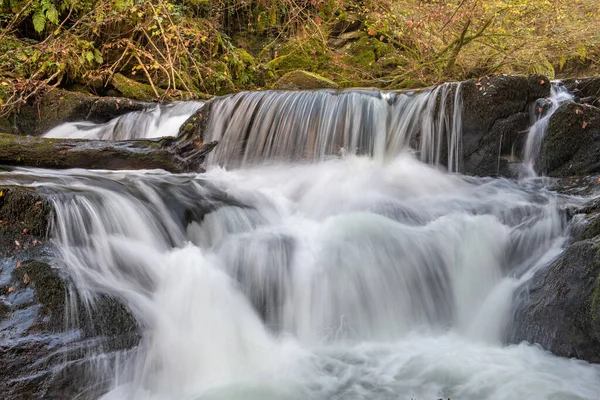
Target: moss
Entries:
(367, 50)
(299, 79)
(307, 54)
(50, 289)
(134, 90)
(4, 308)
(27, 209)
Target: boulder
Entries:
(559, 308)
(583, 88)
(46, 335)
(303, 80)
(494, 100)
(134, 90)
(500, 148)
(58, 106)
(572, 143)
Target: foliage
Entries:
(189, 47)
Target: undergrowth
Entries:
(190, 47)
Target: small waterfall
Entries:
(252, 127)
(156, 121)
(540, 116)
(319, 280)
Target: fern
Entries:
(45, 10)
(39, 20)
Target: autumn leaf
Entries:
(584, 124)
(18, 264)
(371, 32)
(10, 289)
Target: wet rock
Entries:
(195, 125)
(303, 80)
(500, 148)
(582, 88)
(59, 106)
(490, 101)
(572, 143)
(560, 306)
(46, 334)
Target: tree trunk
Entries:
(170, 154)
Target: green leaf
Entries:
(52, 15)
(89, 55)
(39, 20)
(98, 57)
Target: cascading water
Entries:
(155, 121)
(347, 278)
(292, 126)
(342, 279)
(540, 116)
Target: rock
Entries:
(485, 103)
(499, 148)
(106, 108)
(44, 349)
(58, 106)
(587, 87)
(195, 125)
(134, 90)
(560, 306)
(25, 217)
(303, 80)
(572, 143)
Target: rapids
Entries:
(348, 279)
(317, 258)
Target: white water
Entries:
(156, 121)
(350, 278)
(539, 123)
(345, 279)
(252, 127)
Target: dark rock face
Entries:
(560, 307)
(195, 125)
(572, 143)
(495, 121)
(59, 106)
(586, 90)
(46, 335)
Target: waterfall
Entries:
(253, 127)
(155, 121)
(346, 278)
(321, 256)
(540, 116)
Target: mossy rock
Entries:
(367, 50)
(572, 143)
(51, 109)
(25, 209)
(134, 90)
(303, 80)
(309, 55)
(50, 289)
